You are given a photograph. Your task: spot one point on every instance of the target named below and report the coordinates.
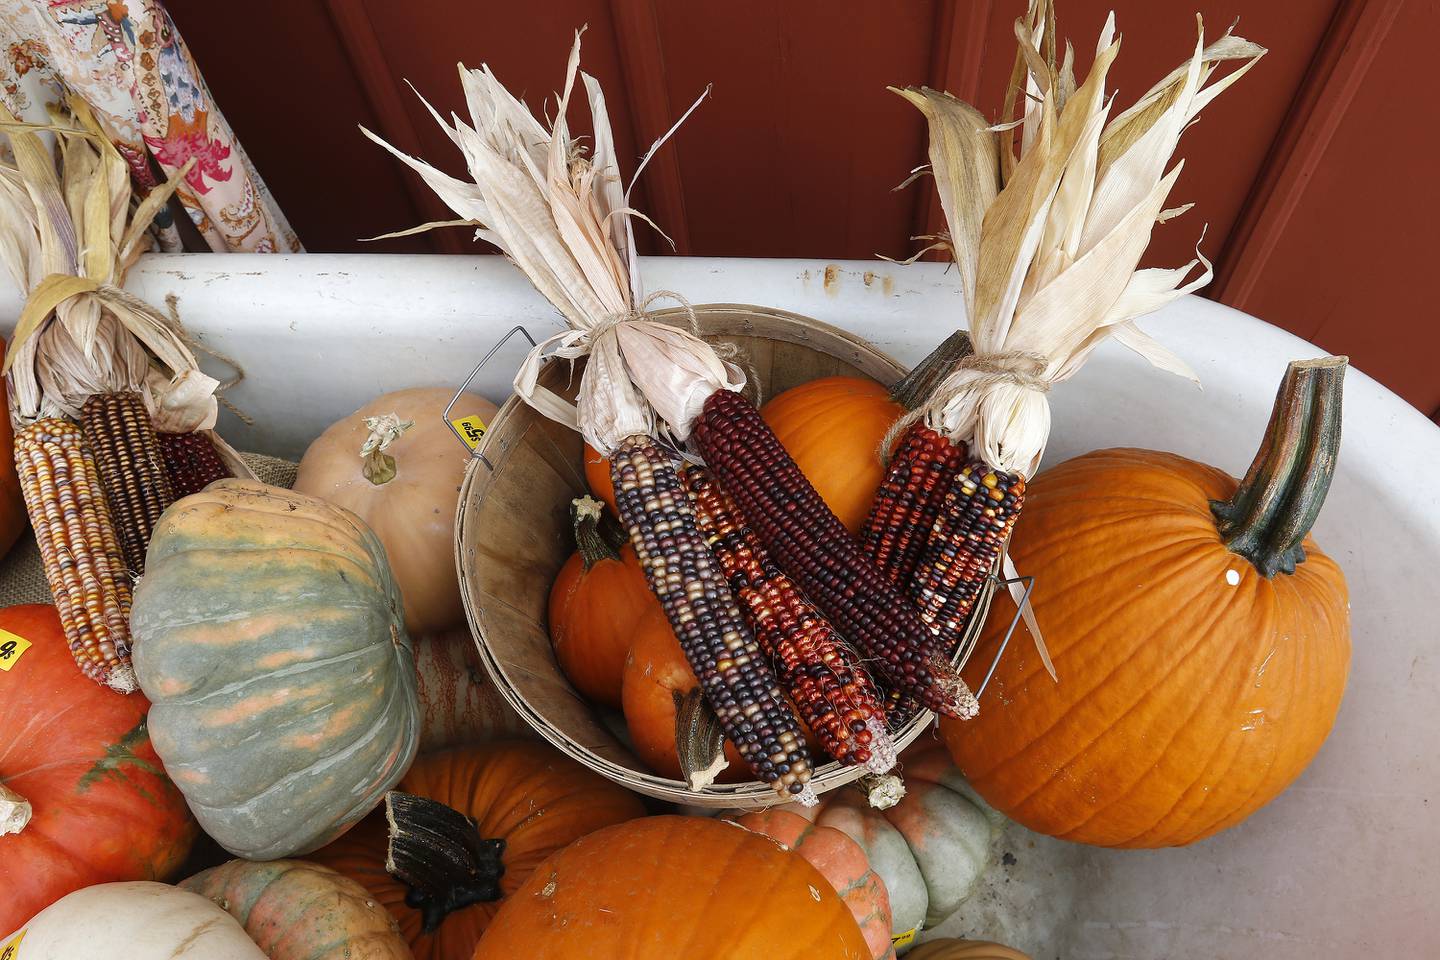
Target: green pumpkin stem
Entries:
(699, 739)
(1267, 519)
(915, 388)
(598, 536)
(439, 854)
(379, 466)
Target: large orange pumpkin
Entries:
(1200, 668)
(83, 799)
(406, 490)
(840, 860)
(832, 427)
(12, 503)
(595, 602)
(523, 793)
(663, 888)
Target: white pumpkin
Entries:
(930, 848)
(138, 921)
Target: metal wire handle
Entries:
(1029, 582)
(475, 451)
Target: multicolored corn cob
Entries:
(79, 547)
(813, 547)
(121, 437)
(192, 462)
(830, 690)
(979, 509)
(735, 675)
(909, 500)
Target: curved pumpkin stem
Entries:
(439, 854)
(14, 811)
(699, 739)
(598, 536)
(1267, 519)
(916, 386)
(379, 467)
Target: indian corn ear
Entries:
(738, 681)
(118, 431)
(191, 461)
(909, 500)
(832, 693)
(79, 547)
(813, 547)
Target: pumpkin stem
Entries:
(1268, 518)
(439, 854)
(14, 811)
(916, 386)
(699, 739)
(598, 536)
(379, 466)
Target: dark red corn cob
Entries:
(192, 462)
(815, 549)
(735, 675)
(909, 500)
(831, 692)
(978, 511)
(119, 433)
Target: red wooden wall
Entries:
(1313, 173)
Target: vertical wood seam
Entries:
(642, 63)
(1350, 45)
(367, 59)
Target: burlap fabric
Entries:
(22, 576)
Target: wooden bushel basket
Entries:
(513, 534)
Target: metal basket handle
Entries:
(1029, 582)
(475, 450)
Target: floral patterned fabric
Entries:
(127, 60)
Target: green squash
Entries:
(269, 636)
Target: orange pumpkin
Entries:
(406, 489)
(832, 427)
(523, 793)
(597, 478)
(595, 603)
(83, 798)
(661, 888)
(947, 949)
(840, 860)
(12, 504)
(1200, 667)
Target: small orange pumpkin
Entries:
(595, 603)
(832, 427)
(597, 478)
(1200, 667)
(840, 860)
(661, 888)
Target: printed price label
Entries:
(12, 647)
(11, 950)
(897, 941)
(471, 428)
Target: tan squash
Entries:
(396, 463)
(948, 949)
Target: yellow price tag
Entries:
(11, 950)
(897, 941)
(471, 428)
(11, 647)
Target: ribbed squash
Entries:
(295, 910)
(83, 799)
(459, 703)
(269, 637)
(665, 888)
(523, 793)
(1201, 638)
(832, 428)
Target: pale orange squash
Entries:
(832, 427)
(459, 703)
(841, 861)
(1201, 638)
(406, 489)
(663, 888)
(947, 949)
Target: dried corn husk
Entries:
(564, 219)
(1049, 261)
(68, 233)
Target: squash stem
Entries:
(1268, 518)
(916, 386)
(439, 854)
(379, 466)
(598, 536)
(699, 739)
(14, 811)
